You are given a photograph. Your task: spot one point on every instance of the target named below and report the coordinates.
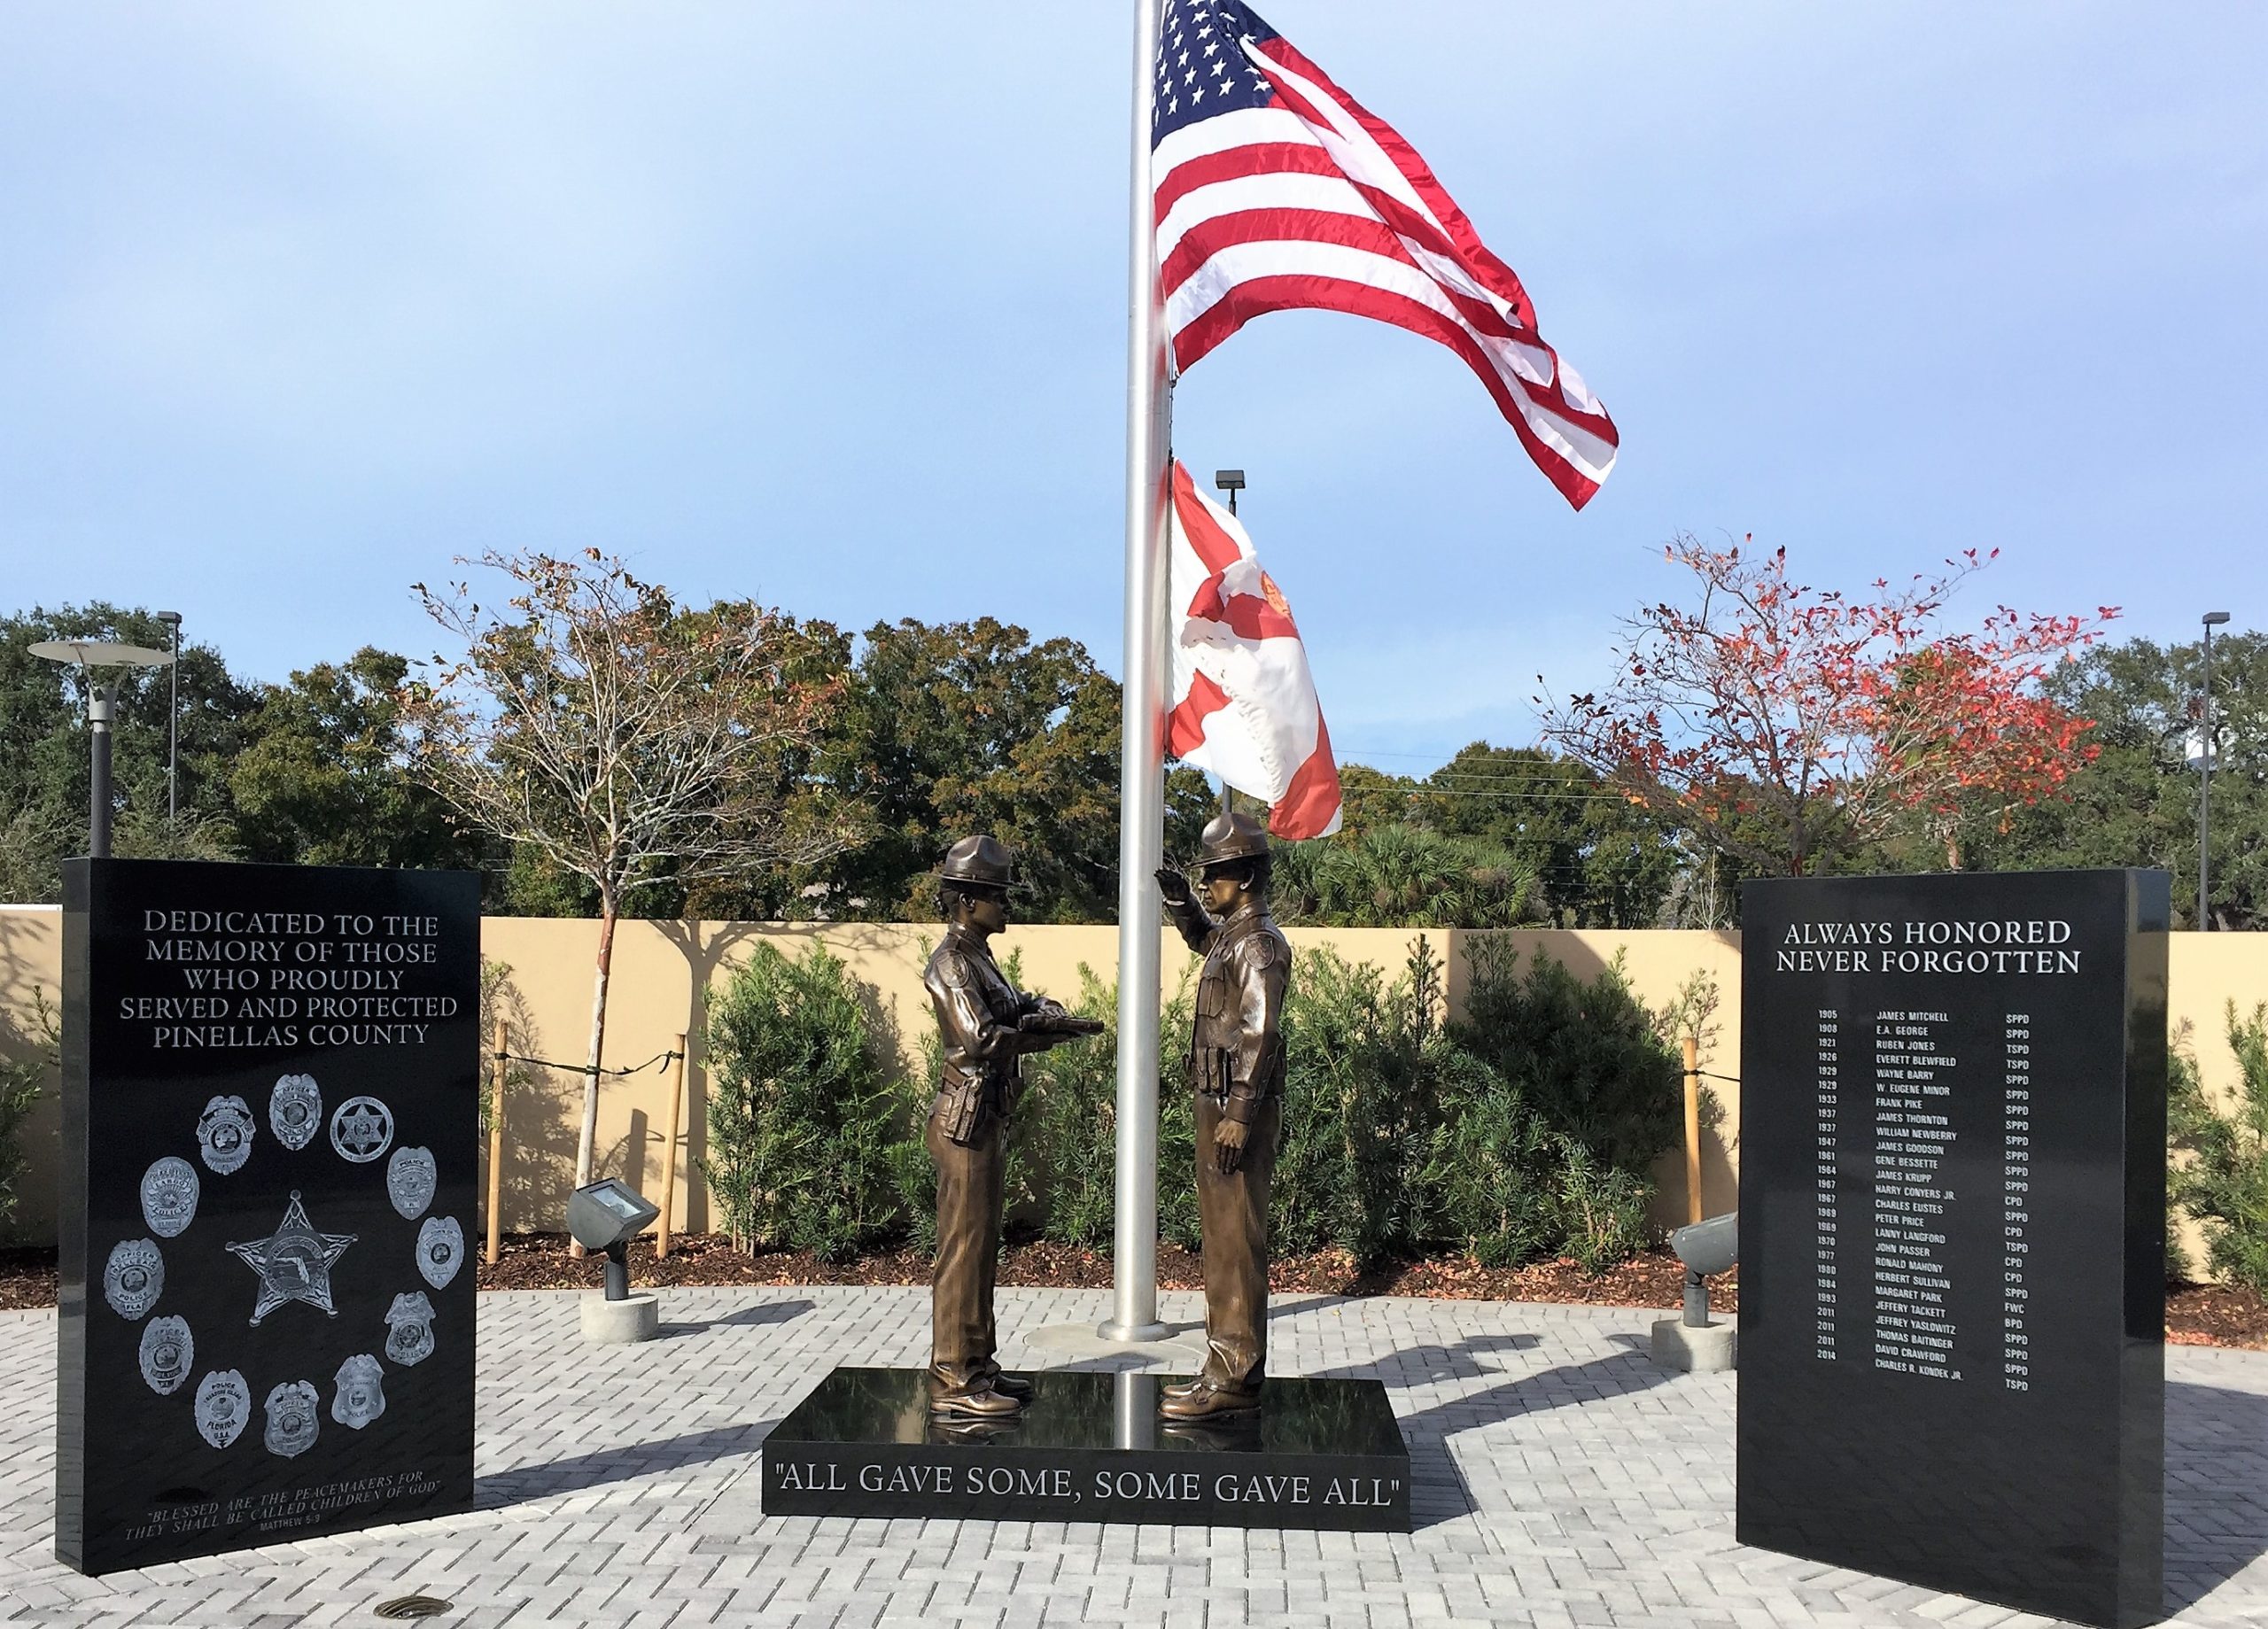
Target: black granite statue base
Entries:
(1091, 1448)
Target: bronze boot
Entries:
(1208, 1399)
(977, 1400)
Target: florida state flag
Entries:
(1242, 705)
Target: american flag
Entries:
(1276, 190)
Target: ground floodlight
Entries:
(606, 1217)
(1705, 1247)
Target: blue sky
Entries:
(823, 305)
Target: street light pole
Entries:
(102, 700)
(172, 724)
(1231, 482)
(2213, 619)
(88, 656)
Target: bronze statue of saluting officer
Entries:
(1236, 1068)
(986, 1025)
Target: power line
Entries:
(1537, 797)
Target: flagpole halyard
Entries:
(1141, 783)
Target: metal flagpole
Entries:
(1141, 776)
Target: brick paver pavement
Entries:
(1561, 1480)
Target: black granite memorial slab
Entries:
(270, 1123)
(1091, 1448)
(1953, 1232)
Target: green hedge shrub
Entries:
(1067, 1127)
(1490, 1170)
(1587, 1061)
(912, 1174)
(21, 1089)
(802, 1112)
(1525, 1130)
(1358, 1091)
(2225, 1184)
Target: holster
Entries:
(964, 1104)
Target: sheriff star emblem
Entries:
(294, 1262)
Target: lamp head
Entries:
(101, 652)
(1709, 1246)
(608, 1213)
(2214, 619)
(1229, 480)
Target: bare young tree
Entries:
(629, 741)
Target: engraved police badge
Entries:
(410, 1180)
(224, 1135)
(223, 1406)
(134, 1278)
(410, 1329)
(293, 1262)
(295, 1110)
(361, 1394)
(440, 1250)
(291, 1423)
(360, 1129)
(166, 1353)
(169, 1197)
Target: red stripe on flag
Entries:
(1207, 239)
(1258, 296)
(1185, 724)
(1236, 163)
(1216, 547)
(1311, 802)
(1491, 272)
(1249, 616)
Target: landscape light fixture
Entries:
(102, 701)
(172, 619)
(1705, 1247)
(2212, 619)
(606, 1217)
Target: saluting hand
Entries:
(1173, 884)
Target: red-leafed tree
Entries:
(1784, 725)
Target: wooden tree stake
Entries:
(496, 1151)
(669, 1152)
(1692, 1128)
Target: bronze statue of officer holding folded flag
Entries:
(986, 1025)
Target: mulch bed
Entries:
(2213, 1314)
(540, 1261)
(26, 1278)
(2196, 1315)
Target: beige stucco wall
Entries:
(663, 970)
(31, 966)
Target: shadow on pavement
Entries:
(1437, 1493)
(762, 1312)
(604, 1465)
(2215, 1446)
